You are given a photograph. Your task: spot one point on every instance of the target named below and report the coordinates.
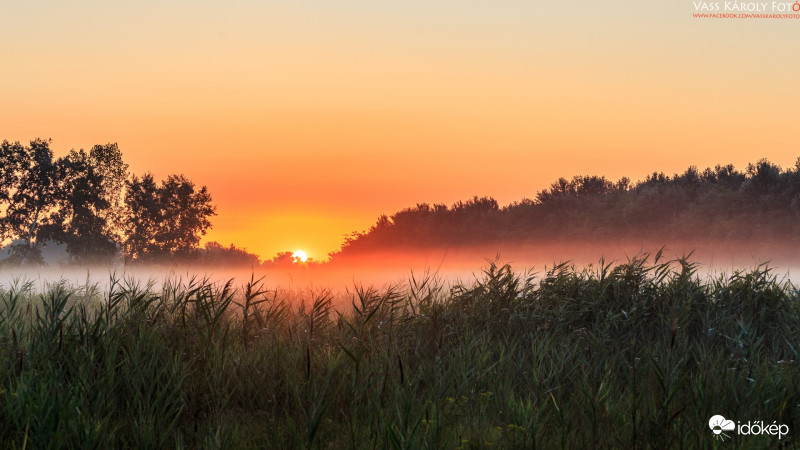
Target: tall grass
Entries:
(637, 355)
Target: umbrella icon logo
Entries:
(719, 425)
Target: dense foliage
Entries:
(633, 356)
(165, 219)
(87, 202)
(720, 204)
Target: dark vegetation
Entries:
(717, 204)
(87, 202)
(640, 355)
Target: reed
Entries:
(639, 354)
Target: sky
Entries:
(308, 119)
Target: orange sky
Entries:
(307, 121)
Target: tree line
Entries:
(88, 202)
(722, 203)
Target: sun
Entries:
(300, 255)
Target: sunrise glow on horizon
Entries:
(309, 120)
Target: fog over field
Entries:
(448, 266)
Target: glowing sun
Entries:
(300, 256)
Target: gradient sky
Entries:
(308, 119)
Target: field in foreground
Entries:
(638, 355)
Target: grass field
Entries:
(637, 355)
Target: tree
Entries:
(11, 156)
(216, 254)
(91, 205)
(282, 259)
(144, 215)
(30, 192)
(167, 219)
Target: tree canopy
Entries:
(167, 218)
(716, 203)
(87, 201)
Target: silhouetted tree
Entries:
(167, 219)
(11, 157)
(720, 203)
(30, 193)
(218, 255)
(282, 259)
(91, 205)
